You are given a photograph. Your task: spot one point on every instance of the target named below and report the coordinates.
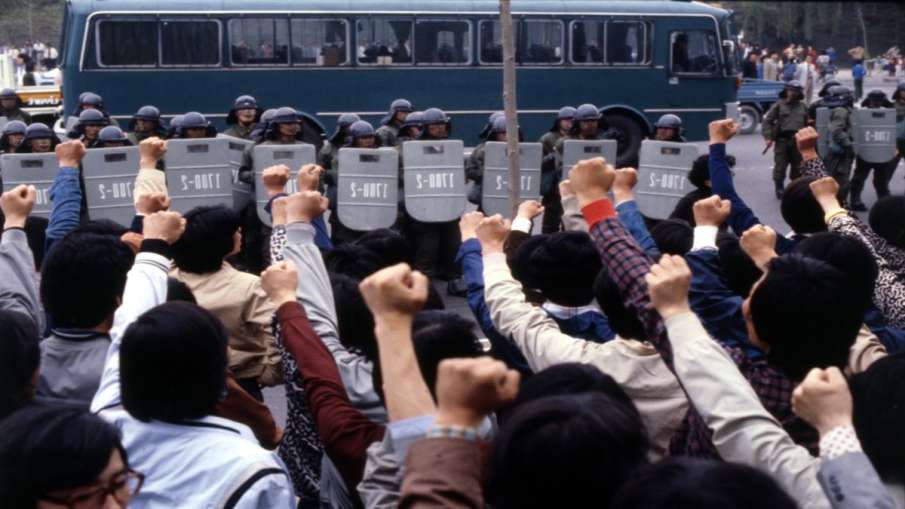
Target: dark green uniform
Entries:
(780, 124)
(240, 131)
(549, 187)
(388, 135)
(842, 153)
(15, 114)
(474, 171)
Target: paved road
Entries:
(753, 178)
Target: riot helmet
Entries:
(487, 130)
(412, 126)
(876, 98)
(398, 106)
(824, 90)
(243, 102)
(8, 94)
(565, 113)
(94, 119)
(89, 99)
(585, 113)
(900, 92)
(840, 95)
(342, 125)
(112, 136)
(39, 139)
(794, 86)
(671, 126)
(285, 122)
(499, 127)
(195, 125)
(147, 114)
(435, 117)
(15, 127)
(13, 136)
(360, 130)
(257, 134)
(175, 123)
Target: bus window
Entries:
(259, 41)
(319, 42)
(694, 52)
(626, 43)
(442, 42)
(189, 43)
(587, 42)
(491, 42)
(384, 41)
(543, 42)
(127, 43)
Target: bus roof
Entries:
(85, 7)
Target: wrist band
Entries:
(460, 432)
(833, 213)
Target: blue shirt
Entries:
(858, 72)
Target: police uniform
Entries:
(842, 153)
(780, 124)
(882, 171)
(549, 187)
(388, 133)
(14, 113)
(236, 129)
(240, 131)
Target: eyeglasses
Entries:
(124, 485)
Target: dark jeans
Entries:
(435, 246)
(882, 175)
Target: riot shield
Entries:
(293, 156)
(577, 150)
(3, 122)
(823, 132)
(434, 176)
(496, 176)
(109, 175)
(37, 170)
(198, 173)
(874, 131)
(662, 176)
(242, 191)
(368, 188)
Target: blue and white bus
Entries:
(634, 59)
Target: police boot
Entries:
(779, 189)
(856, 204)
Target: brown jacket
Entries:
(443, 472)
(238, 300)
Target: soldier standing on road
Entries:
(243, 117)
(361, 135)
(549, 187)
(474, 168)
(780, 124)
(388, 132)
(882, 171)
(842, 153)
(11, 106)
(819, 103)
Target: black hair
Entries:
(738, 268)
(19, 359)
(48, 448)
(570, 378)
(102, 227)
(177, 291)
(83, 277)
(848, 255)
(389, 244)
(353, 318)
(35, 232)
(700, 170)
(887, 219)
(800, 209)
(609, 298)
(207, 240)
(588, 444)
(562, 266)
(191, 343)
(352, 260)
(436, 336)
(879, 415)
(673, 236)
(689, 483)
(804, 310)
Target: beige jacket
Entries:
(149, 180)
(636, 366)
(238, 300)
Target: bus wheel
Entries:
(748, 119)
(629, 134)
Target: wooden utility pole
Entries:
(510, 104)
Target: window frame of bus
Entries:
(348, 42)
(410, 19)
(128, 19)
(522, 42)
(603, 22)
(469, 40)
(229, 28)
(646, 40)
(189, 19)
(720, 65)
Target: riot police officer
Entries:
(839, 160)
(393, 122)
(488, 127)
(11, 106)
(243, 117)
(474, 167)
(819, 103)
(898, 98)
(92, 101)
(90, 124)
(882, 171)
(39, 139)
(782, 121)
(145, 123)
(549, 176)
(337, 140)
(257, 133)
(669, 128)
(410, 129)
(112, 136)
(436, 125)
(194, 125)
(588, 125)
(361, 134)
(13, 135)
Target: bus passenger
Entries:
(393, 121)
(39, 139)
(146, 123)
(112, 136)
(243, 117)
(669, 128)
(194, 125)
(549, 176)
(337, 140)
(13, 134)
(11, 106)
(90, 124)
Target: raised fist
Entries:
(305, 206)
(823, 400)
(565, 189)
(275, 179)
(721, 131)
(492, 232)
(70, 153)
(310, 177)
(712, 211)
(668, 282)
(591, 179)
(529, 209)
(470, 389)
(759, 243)
(468, 225)
(151, 150)
(806, 139)
(395, 292)
(165, 226)
(17, 205)
(149, 203)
